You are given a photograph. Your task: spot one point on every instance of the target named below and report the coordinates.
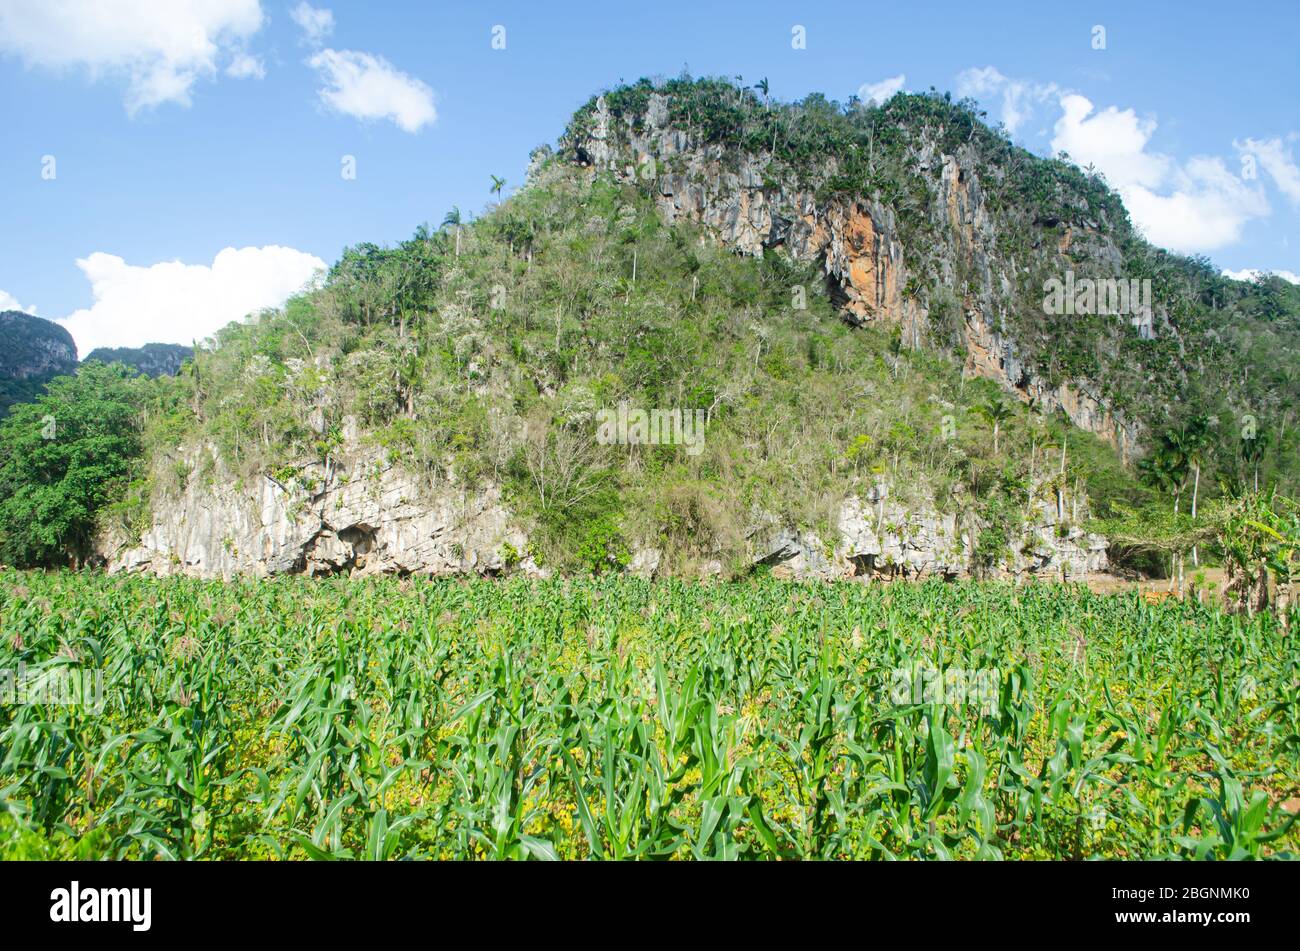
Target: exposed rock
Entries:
(645, 562)
(801, 553)
(882, 538)
(368, 517)
(364, 517)
(857, 242)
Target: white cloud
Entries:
(8, 302)
(172, 302)
(1198, 205)
(160, 47)
(316, 24)
(1250, 273)
(246, 66)
(1194, 205)
(1114, 141)
(369, 87)
(880, 92)
(1019, 97)
(1277, 161)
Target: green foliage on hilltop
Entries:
(858, 149)
(1224, 349)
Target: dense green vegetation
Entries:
(1229, 350)
(70, 458)
(618, 718)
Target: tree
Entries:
(497, 185)
(1192, 438)
(1167, 467)
(1159, 471)
(1260, 539)
(1253, 450)
(1191, 441)
(996, 411)
(64, 457)
(452, 220)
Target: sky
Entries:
(167, 166)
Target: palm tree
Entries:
(1166, 469)
(1190, 441)
(996, 411)
(497, 185)
(452, 220)
(762, 87)
(1160, 471)
(1253, 450)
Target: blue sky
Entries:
(180, 129)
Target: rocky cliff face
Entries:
(34, 350)
(361, 515)
(857, 240)
(879, 538)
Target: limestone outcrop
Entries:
(858, 243)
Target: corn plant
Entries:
(615, 718)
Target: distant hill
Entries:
(153, 359)
(32, 351)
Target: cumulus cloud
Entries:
(1198, 205)
(245, 66)
(880, 92)
(172, 302)
(1250, 273)
(369, 87)
(316, 24)
(1276, 158)
(1019, 97)
(7, 302)
(160, 47)
(1192, 205)
(1113, 140)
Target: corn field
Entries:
(624, 719)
